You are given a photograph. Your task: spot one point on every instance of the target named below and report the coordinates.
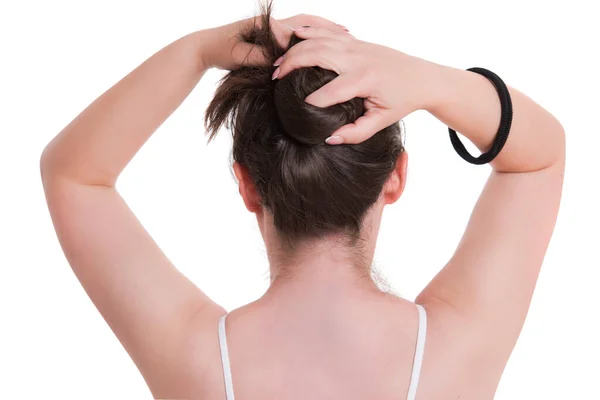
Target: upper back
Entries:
(274, 357)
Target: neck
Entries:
(321, 276)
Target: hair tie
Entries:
(505, 122)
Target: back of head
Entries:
(311, 188)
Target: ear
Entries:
(394, 186)
(246, 188)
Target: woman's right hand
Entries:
(393, 84)
(223, 49)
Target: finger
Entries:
(321, 52)
(339, 90)
(284, 28)
(283, 32)
(362, 129)
(312, 20)
(314, 32)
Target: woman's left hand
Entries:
(223, 49)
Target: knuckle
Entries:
(291, 63)
(325, 91)
(347, 36)
(367, 76)
(315, 98)
(320, 47)
(304, 17)
(311, 19)
(320, 51)
(325, 45)
(289, 53)
(344, 47)
(330, 44)
(319, 20)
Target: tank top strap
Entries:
(419, 350)
(225, 359)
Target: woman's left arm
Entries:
(146, 301)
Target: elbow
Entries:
(48, 164)
(561, 132)
(556, 143)
(562, 143)
(45, 163)
(56, 167)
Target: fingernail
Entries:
(344, 28)
(334, 140)
(279, 61)
(300, 28)
(276, 73)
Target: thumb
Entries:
(363, 128)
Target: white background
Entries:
(58, 56)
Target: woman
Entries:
(323, 329)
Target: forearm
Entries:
(97, 145)
(468, 103)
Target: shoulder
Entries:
(197, 372)
(456, 360)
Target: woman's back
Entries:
(362, 349)
(365, 351)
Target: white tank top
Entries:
(414, 377)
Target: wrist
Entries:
(435, 85)
(199, 46)
(216, 47)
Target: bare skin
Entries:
(322, 330)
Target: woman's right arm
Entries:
(478, 302)
(483, 293)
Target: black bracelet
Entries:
(505, 122)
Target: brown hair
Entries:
(311, 188)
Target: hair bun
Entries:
(310, 189)
(304, 122)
